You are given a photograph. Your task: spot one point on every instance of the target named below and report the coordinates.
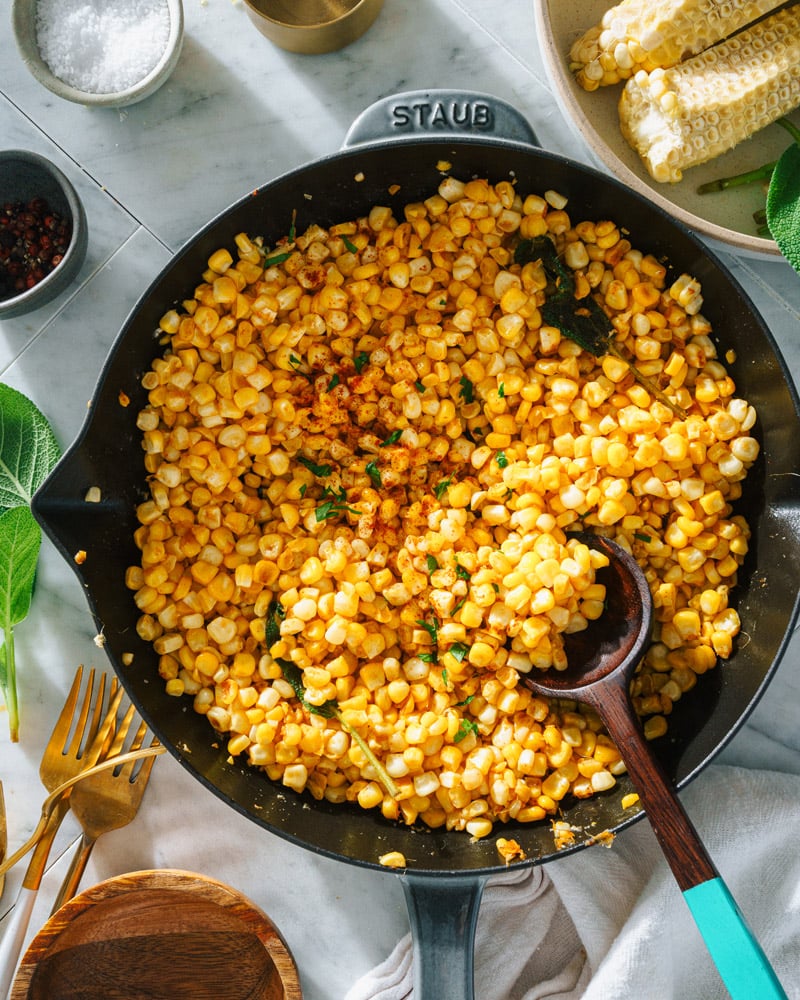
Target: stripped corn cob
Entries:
(679, 117)
(653, 34)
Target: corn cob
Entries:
(653, 34)
(679, 117)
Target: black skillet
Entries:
(406, 141)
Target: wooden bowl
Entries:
(158, 935)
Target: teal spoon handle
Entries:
(742, 964)
(739, 958)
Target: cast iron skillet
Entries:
(407, 140)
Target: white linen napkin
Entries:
(611, 924)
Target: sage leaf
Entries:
(28, 452)
(28, 448)
(783, 205)
(20, 541)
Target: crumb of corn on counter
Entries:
(365, 453)
(655, 34)
(680, 117)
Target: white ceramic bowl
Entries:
(725, 217)
(25, 175)
(24, 21)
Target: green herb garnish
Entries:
(393, 438)
(428, 657)
(580, 320)
(330, 710)
(296, 363)
(502, 459)
(467, 726)
(335, 506)
(318, 470)
(279, 258)
(28, 452)
(333, 383)
(459, 650)
(419, 386)
(331, 508)
(361, 360)
(432, 628)
(374, 474)
(275, 615)
(293, 674)
(441, 488)
(462, 572)
(501, 390)
(350, 245)
(467, 389)
(431, 563)
(642, 537)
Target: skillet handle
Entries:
(436, 113)
(444, 913)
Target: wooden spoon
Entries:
(602, 660)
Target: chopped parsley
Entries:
(467, 726)
(432, 628)
(318, 470)
(334, 507)
(431, 563)
(502, 459)
(441, 488)
(333, 383)
(501, 390)
(279, 258)
(361, 360)
(374, 474)
(467, 389)
(393, 438)
(459, 650)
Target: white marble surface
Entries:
(237, 112)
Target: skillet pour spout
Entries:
(107, 454)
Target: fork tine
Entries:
(120, 733)
(84, 735)
(105, 731)
(140, 767)
(63, 725)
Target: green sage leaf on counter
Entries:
(28, 452)
(28, 448)
(783, 205)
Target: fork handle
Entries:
(69, 887)
(14, 937)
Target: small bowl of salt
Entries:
(100, 53)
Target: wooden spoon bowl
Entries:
(158, 935)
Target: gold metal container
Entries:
(312, 27)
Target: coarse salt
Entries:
(102, 46)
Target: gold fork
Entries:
(107, 801)
(63, 758)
